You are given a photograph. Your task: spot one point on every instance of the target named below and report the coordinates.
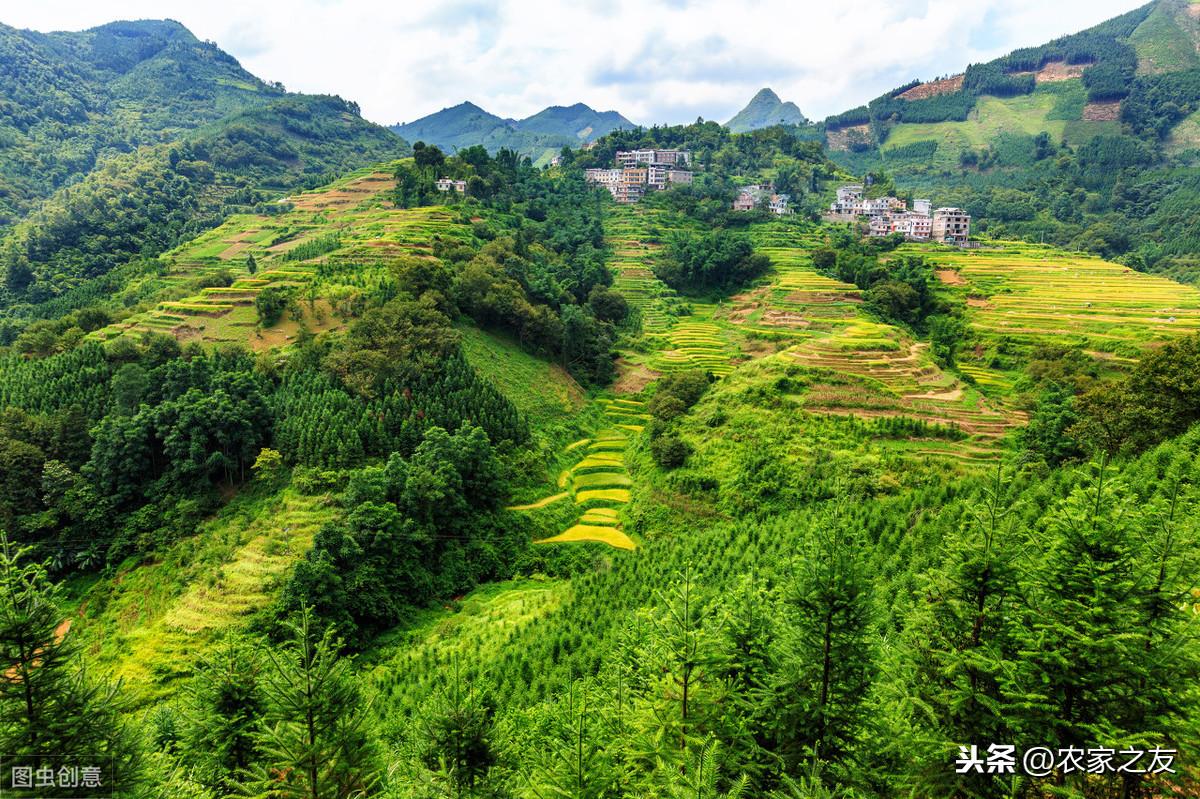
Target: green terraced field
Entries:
(370, 234)
(1032, 294)
(598, 482)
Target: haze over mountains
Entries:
(538, 136)
(764, 110)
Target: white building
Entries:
(780, 204)
(659, 157)
(446, 184)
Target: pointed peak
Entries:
(766, 93)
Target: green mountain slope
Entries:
(578, 121)
(1088, 142)
(126, 139)
(764, 110)
(69, 99)
(538, 136)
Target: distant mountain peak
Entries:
(545, 132)
(764, 110)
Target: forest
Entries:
(319, 480)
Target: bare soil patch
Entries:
(1102, 111)
(950, 277)
(978, 302)
(777, 318)
(933, 88)
(842, 138)
(633, 377)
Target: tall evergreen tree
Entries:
(48, 704)
(314, 740)
(957, 649)
(825, 658)
(226, 704)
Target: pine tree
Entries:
(1082, 645)
(458, 732)
(825, 654)
(226, 705)
(48, 704)
(315, 743)
(956, 650)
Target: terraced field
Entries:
(900, 380)
(1032, 295)
(819, 323)
(798, 301)
(170, 611)
(634, 233)
(598, 482)
(331, 245)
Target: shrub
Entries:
(670, 451)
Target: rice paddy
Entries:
(352, 232)
(598, 481)
(1020, 296)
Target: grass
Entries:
(152, 621)
(993, 117)
(1162, 43)
(544, 392)
(1185, 135)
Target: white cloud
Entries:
(656, 61)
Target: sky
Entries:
(655, 61)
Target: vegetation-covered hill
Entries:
(765, 110)
(539, 136)
(373, 489)
(68, 100)
(1086, 142)
(133, 137)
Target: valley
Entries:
(468, 458)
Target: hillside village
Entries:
(888, 215)
(763, 196)
(640, 171)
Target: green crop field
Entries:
(367, 234)
(1052, 107)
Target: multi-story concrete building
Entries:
(849, 201)
(680, 176)
(639, 171)
(887, 215)
(755, 195)
(660, 157)
(780, 204)
(951, 225)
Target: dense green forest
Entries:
(319, 481)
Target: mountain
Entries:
(69, 99)
(453, 128)
(764, 110)
(145, 118)
(578, 120)
(1110, 114)
(538, 136)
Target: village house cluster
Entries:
(639, 171)
(758, 194)
(887, 215)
